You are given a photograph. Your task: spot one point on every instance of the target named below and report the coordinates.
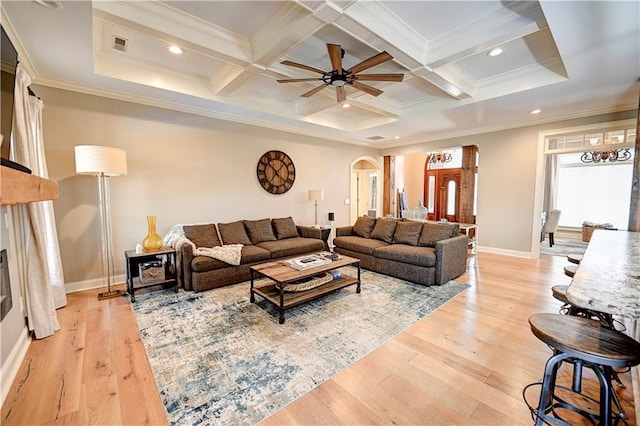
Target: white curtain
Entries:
(44, 280)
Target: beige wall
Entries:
(182, 168)
(507, 180)
(413, 178)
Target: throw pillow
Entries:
(202, 235)
(363, 226)
(407, 233)
(284, 227)
(432, 232)
(233, 233)
(384, 230)
(259, 230)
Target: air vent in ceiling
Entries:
(120, 43)
(375, 138)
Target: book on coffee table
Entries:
(306, 262)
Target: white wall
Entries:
(14, 338)
(182, 169)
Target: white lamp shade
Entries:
(316, 195)
(96, 160)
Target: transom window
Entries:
(586, 178)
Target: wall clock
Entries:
(276, 172)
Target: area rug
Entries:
(563, 247)
(219, 359)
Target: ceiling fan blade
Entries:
(371, 62)
(379, 77)
(304, 67)
(342, 93)
(296, 80)
(335, 54)
(313, 91)
(366, 88)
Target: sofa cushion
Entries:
(363, 226)
(233, 233)
(291, 246)
(384, 230)
(202, 235)
(432, 232)
(421, 256)
(407, 233)
(284, 227)
(358, 244)
(259, 230)
(250, 254)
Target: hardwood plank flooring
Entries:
(466, 363)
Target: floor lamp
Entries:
(103, 162)
(316, 195)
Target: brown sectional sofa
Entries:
(262, 240)
(425, 253)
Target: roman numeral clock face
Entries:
(276, 172)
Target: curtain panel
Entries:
(44, 279)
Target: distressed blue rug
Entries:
(563, 247)
(219, 359)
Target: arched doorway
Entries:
(366, 188)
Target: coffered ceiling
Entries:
(569, 59)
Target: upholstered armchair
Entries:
(551, 225)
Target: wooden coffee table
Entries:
(281, 275)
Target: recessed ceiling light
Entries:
(535, 111)
(346, 105)
(495, 52)
(396, 137)
(175, 50)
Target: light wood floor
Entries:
(466, 363)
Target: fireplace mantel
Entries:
(17, 187)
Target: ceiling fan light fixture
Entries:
(497, 51)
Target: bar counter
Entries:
(608, 278)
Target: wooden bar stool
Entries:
(584, 343)
(570, 270)
(560, 292)
(575, 258)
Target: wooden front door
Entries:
(442, 194)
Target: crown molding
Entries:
(203, 112)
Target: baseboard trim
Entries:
(513, 253)
(10, 368)
(91, 284)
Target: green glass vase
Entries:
(153, 241)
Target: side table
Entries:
(325, 232)
(471, 231)
(166, 257)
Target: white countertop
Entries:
(608, 278)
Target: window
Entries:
(451, 198)
(583, 182)
(594, 192)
